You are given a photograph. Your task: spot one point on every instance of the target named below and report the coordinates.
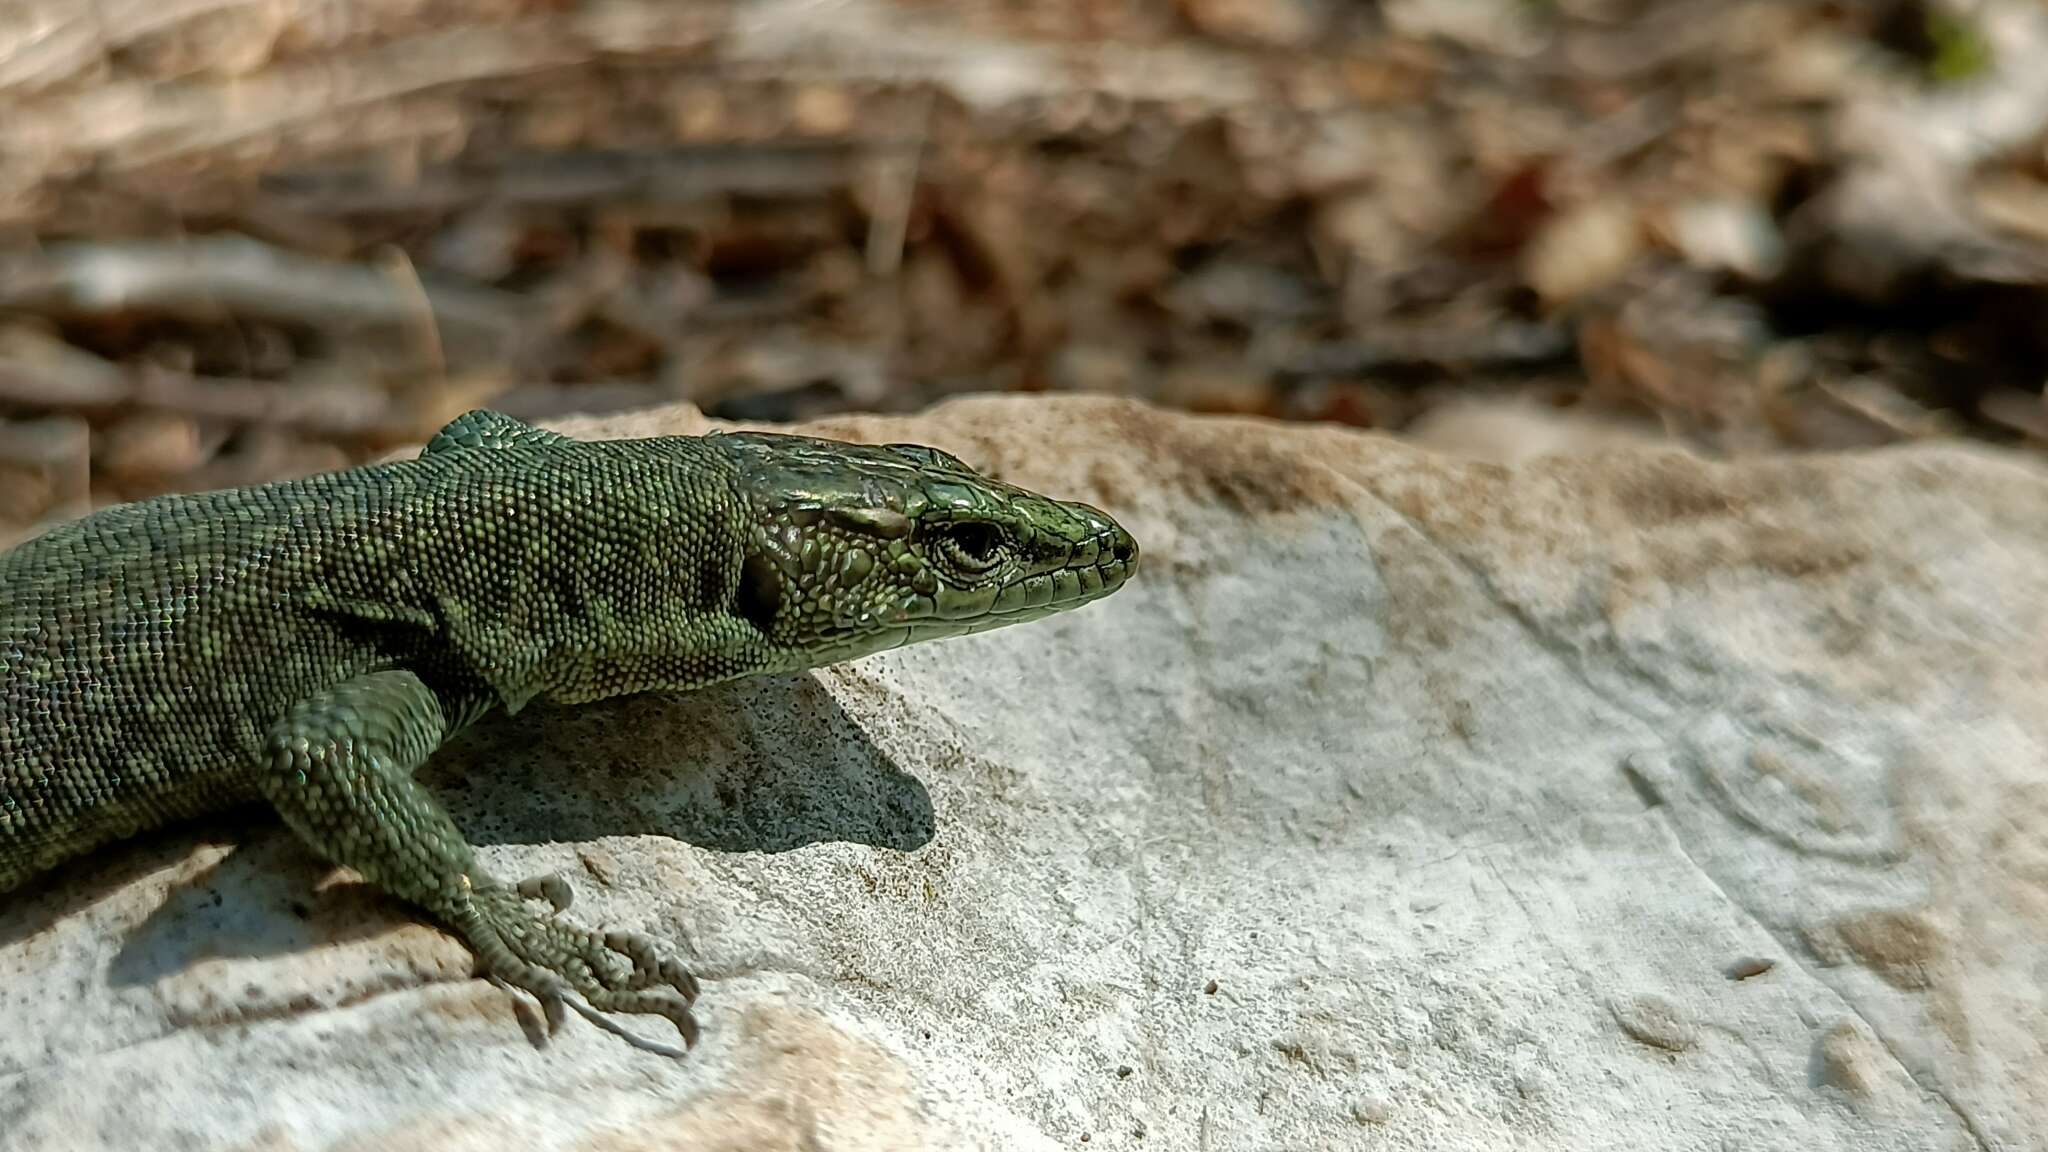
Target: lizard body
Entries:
(309, 643)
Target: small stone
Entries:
(1534, 1083)
(1371, 1109)
(700, 114)
(2014, 202)
(1365, 227)
(26, 496)
(817, 110)
(1749, 967)
(1341, 152)
(1218, 389)
(480, 245)
(1847, 1059)
(1505, 27)
(1106, 368)
(1582, 250)
(153, 445)
(265, 454)
(45, 470)
(1655, 1021)
(1258, 23)
(601, 864)
(1736, 236)
(2017, 409)
(554, 123)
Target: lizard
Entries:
(308, 643)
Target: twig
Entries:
(38, 370)
(406, 279)
(323, 409)
(566, 179)
(207, 277)
(893, 179)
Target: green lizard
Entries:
(310, 643)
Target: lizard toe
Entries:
(558, 962)
(650, 967)
(551, 888)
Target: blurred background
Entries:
(247, 239)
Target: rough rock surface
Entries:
(1612, 801)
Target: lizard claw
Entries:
(660, 1001)
(561, 964)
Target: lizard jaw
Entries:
(1100, 566)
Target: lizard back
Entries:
(146, 649)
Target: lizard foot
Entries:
(563, 965)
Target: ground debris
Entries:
(1763, 226)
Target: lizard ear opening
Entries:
(760, 592)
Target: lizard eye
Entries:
(971, 547)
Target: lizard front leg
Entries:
(338, 768)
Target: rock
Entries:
(1343, 825)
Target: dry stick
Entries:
(128, 127)
(894, 174)
(40, 371)
(406, 279)
(207, 277)
(131, 126)
(676, 175)
(69, 38)
(330, 410)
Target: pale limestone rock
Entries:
(1347, 824)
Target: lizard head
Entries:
(852, 549)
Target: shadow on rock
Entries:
(765, 765)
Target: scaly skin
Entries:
(311, 643)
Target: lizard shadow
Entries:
(763, 765)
